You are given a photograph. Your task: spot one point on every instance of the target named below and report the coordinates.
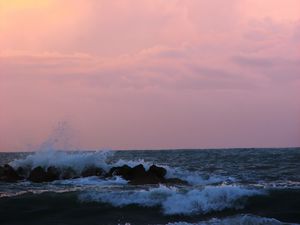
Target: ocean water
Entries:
(230, 186)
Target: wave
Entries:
(76, 160)
(158, 204)
(175, 201)
(237, 220)
(92, 181)
(104, 159)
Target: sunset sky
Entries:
(131, 74)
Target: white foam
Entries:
(175, 201)
(79, 160)
(194, 178)
(94, 180)
(59, 159)
(236, 220)
(133, 163)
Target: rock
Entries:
(160, 172)
(92, 171)
(146, 179)
(175, 181)
(68, 173)
(123, 171)
(8, 174)
(22, 172)
(139, 176)
(38, 175)
(52, 174)
(138, 171)
(155, 175)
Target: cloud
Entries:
(158, 67)
(131, 73)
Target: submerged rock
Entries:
(135, 175)
(8, 174)
(138, 172)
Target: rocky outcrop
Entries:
(68, 173)
(39, 174)
(136, 175)
(139, 176)
(160, 172)
(8, 174)
(92, 171)
(122, 171)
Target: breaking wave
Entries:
(175, 201)
(237, 220)
(80, 160)
(77, 161)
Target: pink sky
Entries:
(130, 74)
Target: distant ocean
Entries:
(229, 186)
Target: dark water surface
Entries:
(230, 186)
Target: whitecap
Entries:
(177, 201)
(237, 220)
(76, 160)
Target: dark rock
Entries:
(1, 171)
(139, 176)
(52, 174)
(160, 172)
(146, 179)
(38, 175)
(154, 175)
(8, 174)
(92, 171)
(22, 172)
(138, 172)
(123, 171)
(68, 173)
(175, 181)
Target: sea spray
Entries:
(237, 220)
(76, 160)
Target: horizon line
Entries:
(156, 149)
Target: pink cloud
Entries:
(151, 74)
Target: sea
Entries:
(224, 187)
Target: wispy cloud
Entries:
(134, 73)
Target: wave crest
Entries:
(77, 160)
(175, 201)
(237, 220)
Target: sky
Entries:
(150, 74)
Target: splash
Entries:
(60, 138)
(76, 160)
(237, 220)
